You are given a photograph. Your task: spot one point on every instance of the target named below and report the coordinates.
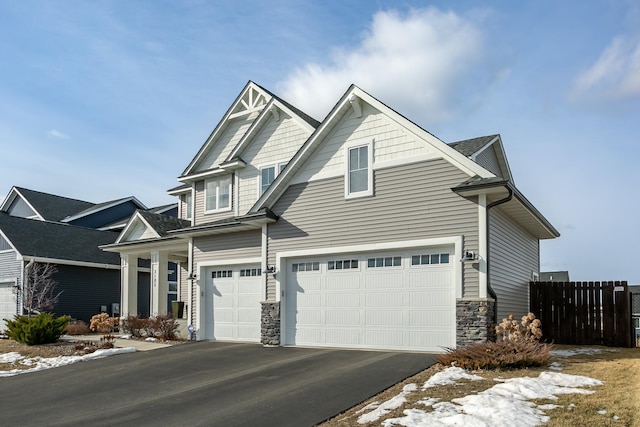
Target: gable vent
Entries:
(4, 245)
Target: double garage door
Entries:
(232, 297)
(393, 300)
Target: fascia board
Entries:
(71, 262)
(4, 236)
(24, 199)
(534, 211)
(135, 201)
(201, 175)
(170, 243)
(448, 153)
(221, 125)
(179, 192)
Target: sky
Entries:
(108, 99)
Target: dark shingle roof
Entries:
(469, 147)
(58, 241)
(162, 224)
(52, 207)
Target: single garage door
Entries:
(392, 300)
(7, 303)
(233, 297)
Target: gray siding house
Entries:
(46, 228)
(362, 231)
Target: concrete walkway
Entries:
(138, 344)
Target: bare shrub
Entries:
(77, 327)
(103, 323)
(528, 329)
(498, 355)
(164, 327)
(135, 326)
(107, 341)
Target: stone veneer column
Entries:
(474, 318)
(270, 332)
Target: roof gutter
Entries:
(490, 290)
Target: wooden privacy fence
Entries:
(583, 313)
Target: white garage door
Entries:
(233, 298)
(7, 303)
(398, 300)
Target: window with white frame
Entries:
(217, 194)
(359, 173)
(269, 173)
(430, 259)
(187, 201)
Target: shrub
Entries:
(528, 329)
(163, 327)
(76, 327)
(134, 325)
(41, 329)
(103, 323)
(498, 355)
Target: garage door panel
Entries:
(431, 298)
(429, 278)
(342, 318)
(342, 300)
(309, 317)
(380, 279)
(383, 299)
(384, 339)
(384, 318)
(342, 337)
(312, 282)
(338, 281)
(430, 319)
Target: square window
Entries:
(397, 261)
(371, 262)
(338, 265)
(415, 260)
(316, 266)
(435, 259)
(354, 263)
(331, 265)
(379, 262)
(444, 258)
(424, 259)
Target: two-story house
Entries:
(362, 231)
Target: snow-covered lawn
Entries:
(40, 363)
(508, 403)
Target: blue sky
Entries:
(101, 100)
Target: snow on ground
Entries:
(41, 363)
(505, 404)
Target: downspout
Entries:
(490, 290)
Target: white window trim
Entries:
(276, 171)
(369, 191)
(226, 208)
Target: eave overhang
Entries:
(168, 244)
(240, 223)
(518, 208)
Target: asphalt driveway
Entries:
(205, 384)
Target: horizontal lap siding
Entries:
(513, 257)
(277, 141)
(411, 202)
(10, 267)
(488, 160)
(246, 244)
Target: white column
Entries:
(482, 245)
(159, 283)
(129, 285)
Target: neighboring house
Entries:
(46, 228)
(554, 276)
(363, 231)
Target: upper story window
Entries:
(187, 200)
(217, 194)
(359, 173)
(268, 174)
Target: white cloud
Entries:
(57, 134)
(615, 75)
(415, 62)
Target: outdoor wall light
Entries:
(469, 256)
(192, 277)
(270, 269)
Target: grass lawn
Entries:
(619, 396)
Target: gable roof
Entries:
(256, 98)
(352, 99)
(102, 206)
(56, 242)
(473, 147)
(47, 207)
(271, 109)
(158, 224)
